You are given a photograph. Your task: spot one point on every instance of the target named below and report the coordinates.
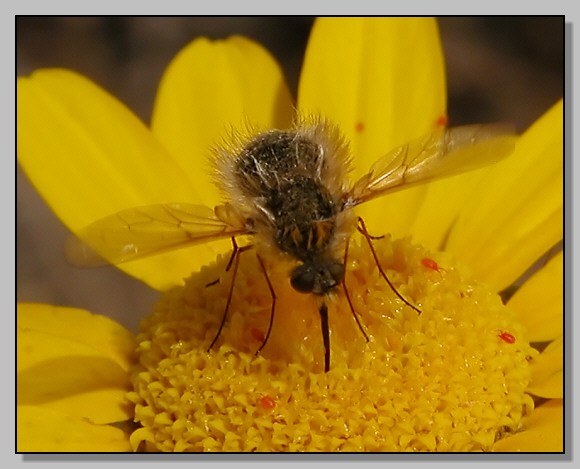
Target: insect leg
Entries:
(325, 335)
(229, 264)
(235, 261)
(348, 296)
(363, 230)
(273, 294)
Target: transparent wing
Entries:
(445, 152)
(144, 231)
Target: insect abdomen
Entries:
(273, 158)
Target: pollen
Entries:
(448, 379)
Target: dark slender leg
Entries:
(235, 259)
(348, 296)
(273, 294)
(363, 230)
(325, 335)
(229, 265)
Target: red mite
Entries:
(257, 334)
(267, 403)
(442, 121)
(507, 337)
(430, 264)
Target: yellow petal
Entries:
(210, 88)
(547, 372)
(44, 430)
(89, 157)
(106, 336)
(539, 302)
(86, 152)
(543, 433)
(382, 81)
(209, 91)
(58, 370)
(518, 214)
(442, 203)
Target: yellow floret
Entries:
(442, 380)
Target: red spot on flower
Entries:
(359, 126)
(430, 264)
(257, 334)
(267, 403)
(442, 121)
(507, 337)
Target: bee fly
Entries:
(290, 190)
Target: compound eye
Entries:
(302, 279)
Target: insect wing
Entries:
(445, 152)
(143, 231)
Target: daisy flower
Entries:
(470, 373)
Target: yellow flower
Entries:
(455, 378)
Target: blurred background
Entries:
(499, 69)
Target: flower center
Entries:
(452, 378)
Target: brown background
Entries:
(507, 69)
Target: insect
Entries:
(289, 189)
